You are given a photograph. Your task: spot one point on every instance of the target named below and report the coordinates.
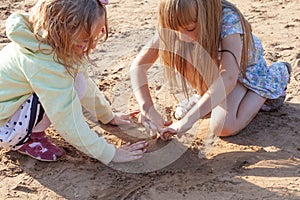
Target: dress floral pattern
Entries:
(267, 81)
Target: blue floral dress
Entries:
(269, 82)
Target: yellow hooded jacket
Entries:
(25, 70)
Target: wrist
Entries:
(146, 107)
(188, 121)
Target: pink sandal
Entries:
(39, 147)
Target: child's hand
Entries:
(130, 152)
(123, 119)
(178, 128)
(153, 123)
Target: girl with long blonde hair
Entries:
(211, 46)
(44, 80)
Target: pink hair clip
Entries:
(104, 2)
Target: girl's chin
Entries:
(187, 40)
(80, 54)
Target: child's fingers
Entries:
(167, 136)
(131, 114)
(139, 142)
(135, 146)
(138, 146)
(168, 129)
(167, 133)
(134, 113)
(167, 123)
(134, 157)
(154, 137)
(137, 152)
(153, 128)
(126, 146)
(126, 122)
(146, 126)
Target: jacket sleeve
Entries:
(55, 89)
(95, 102)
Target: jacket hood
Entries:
(18, 30)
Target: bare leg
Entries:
(42, 125)
(234, 114)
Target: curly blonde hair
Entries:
(59, 24)
(198, 64)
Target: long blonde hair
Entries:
(197, 62)
(59, 23)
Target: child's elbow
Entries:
(231, 82)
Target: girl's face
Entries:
(98, 33)
(188, 33)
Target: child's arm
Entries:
(61, 103)
(151, 119)
(56, 92)
(95, 102)
(218, 91)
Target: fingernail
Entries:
(154, 136)
(168, 123)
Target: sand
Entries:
(262, 162)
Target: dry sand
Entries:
(262, 162)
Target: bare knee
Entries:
(225, 131)
(228, 133)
